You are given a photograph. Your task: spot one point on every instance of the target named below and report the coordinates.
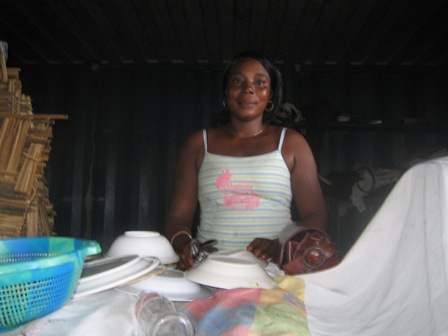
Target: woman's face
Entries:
(248, 89)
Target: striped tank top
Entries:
(242, 198)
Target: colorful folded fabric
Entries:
(248, 312)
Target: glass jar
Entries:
(157, 316)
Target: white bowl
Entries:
(227, 273)
(174, 286)
(143, 244)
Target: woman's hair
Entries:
(275, 79)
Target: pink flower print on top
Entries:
(238, 195)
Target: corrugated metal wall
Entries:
(112, 162)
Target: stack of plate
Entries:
(103, 274)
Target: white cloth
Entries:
(110, 313)
(394, 279)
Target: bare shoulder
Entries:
(294, 138)
(276, 130)
(192, 151)
(194, 140)
(295, 148)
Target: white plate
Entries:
(174, 286)
(240, 254)
(116, 278)
(95, 269)
(228, 273)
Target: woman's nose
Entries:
(248, 88)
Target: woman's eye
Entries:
(259, 83)
(236, 81)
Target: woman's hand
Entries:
(185, 258)
(264, 248)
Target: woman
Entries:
(245, 172)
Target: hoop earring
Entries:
(270, 107)
(224, 104)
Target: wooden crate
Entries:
(25, 138)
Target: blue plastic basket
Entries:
(39, 275)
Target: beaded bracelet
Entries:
(179, 233)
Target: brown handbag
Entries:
(305, 250)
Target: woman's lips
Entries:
(247, 104)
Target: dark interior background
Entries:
(135, 77)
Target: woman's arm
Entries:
(307, 193)
(184, 198)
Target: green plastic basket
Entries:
(39, 275)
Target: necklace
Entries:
(253, 135)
